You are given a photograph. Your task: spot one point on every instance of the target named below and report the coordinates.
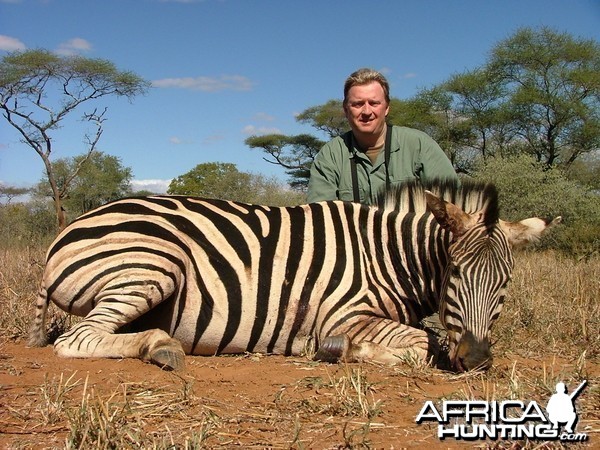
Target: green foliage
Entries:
(552, 81)
(580, 239)
(586, 170)
(26, 73)
(225, 181)
(432, 111)
(99, 178)
(38, 89)
(29, 224)
(328, 118)
(529, 188)
(10, 192)
(477, 102)
(294, 153)
(211, 180)
(102, 178)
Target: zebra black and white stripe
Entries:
(186, 275)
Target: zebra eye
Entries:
(454, 271)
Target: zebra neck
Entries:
(415, 248)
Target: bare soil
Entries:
(254, 401)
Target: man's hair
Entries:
(366, 76)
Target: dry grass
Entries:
(552, 307)
(548, 332)
(20, 274)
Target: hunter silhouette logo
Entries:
(508, 419)
(561, 406)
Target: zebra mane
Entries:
(470, 196)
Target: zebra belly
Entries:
(223, 329)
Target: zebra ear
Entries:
(449, 216)
(528, 230)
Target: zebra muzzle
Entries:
(472, 353)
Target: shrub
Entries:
(27, 224)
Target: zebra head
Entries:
(479, 267)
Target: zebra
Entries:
(160, 277)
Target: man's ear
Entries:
(345, 109)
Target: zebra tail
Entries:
(37, 334)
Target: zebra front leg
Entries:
(96, 336)
(379, 340)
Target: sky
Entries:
(224, 70)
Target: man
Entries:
(359, 164)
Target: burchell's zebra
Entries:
(203, 277)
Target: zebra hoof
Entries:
(168, 357)
(333, 348)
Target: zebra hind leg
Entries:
(96, 336)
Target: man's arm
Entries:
(435, 162)
(323, 182)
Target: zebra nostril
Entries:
(473, 362)
(472, 354)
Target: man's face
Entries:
(366, 109)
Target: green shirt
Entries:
(413, 155)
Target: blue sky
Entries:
(223, 70)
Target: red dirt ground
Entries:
(250, 401)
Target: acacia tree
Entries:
(39, 89)
(328, 118)
(538, 93)
(10, 192)
(478, 101)
(553, 82)
(100, 179)
(294, 153)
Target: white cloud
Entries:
(11, 44)
(207, 84)
(157, 186)
(176, 140)
(212, 139)
(261, 116)
(408, 75)
(73, 47)
(253, 130)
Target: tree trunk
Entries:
(60, 214)
(61, 218)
